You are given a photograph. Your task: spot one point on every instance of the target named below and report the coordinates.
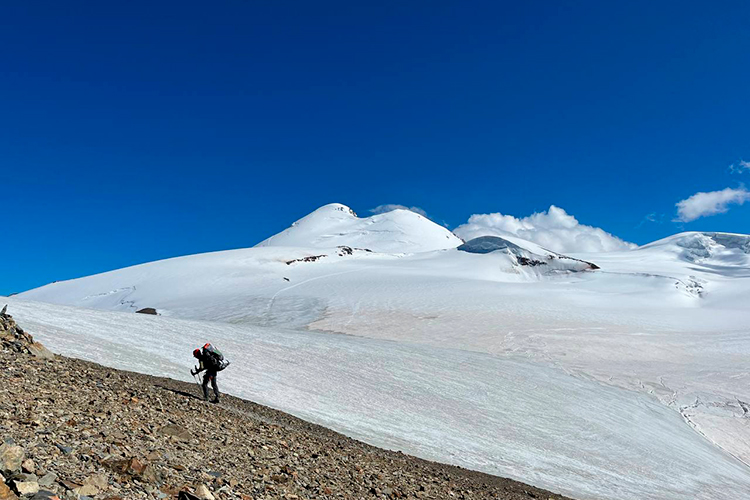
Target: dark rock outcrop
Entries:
(12, 337)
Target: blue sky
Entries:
(135, 131)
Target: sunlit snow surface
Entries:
(508, 417)
(631, 381)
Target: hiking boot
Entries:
(215, 401)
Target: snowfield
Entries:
(627, 378)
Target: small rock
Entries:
(28, 466)
(48, 479)
(45, 495)
(203, 493)
(26, 487)
(176, 431)
(40, 351)
(70, 485)
(86, 490)
(99, 480)
(67, 450)
(149, 475)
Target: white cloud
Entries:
(705, 204)
(554, 229)
(381, 209)
(739, 167)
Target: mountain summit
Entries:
(398, 231)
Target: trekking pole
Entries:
(197, 381)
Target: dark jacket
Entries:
(208, 363)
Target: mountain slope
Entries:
(708, 249)
(137, 436)
(511, 417)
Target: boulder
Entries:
(203, 493)
(11, 458)
(6, 493)
(26, 488)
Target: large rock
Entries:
(6, 493)
(203, 493)
(11, 458)
(26, 488)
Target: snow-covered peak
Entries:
(332, 211)
(702, 247)
(398, 231)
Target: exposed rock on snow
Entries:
(148, 310)
(309, 258)
(524, 257)
(488, 244)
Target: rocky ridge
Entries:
(71, 429)
(15, 339)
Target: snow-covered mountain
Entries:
(666, 324)
(397, 231)
(727, 250)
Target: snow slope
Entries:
(667, 324)
(510, 417)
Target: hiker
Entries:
(212, 361)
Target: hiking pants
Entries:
(210, 376)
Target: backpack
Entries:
(216, 357)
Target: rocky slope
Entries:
(72, 429)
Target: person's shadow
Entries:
(181, 393)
